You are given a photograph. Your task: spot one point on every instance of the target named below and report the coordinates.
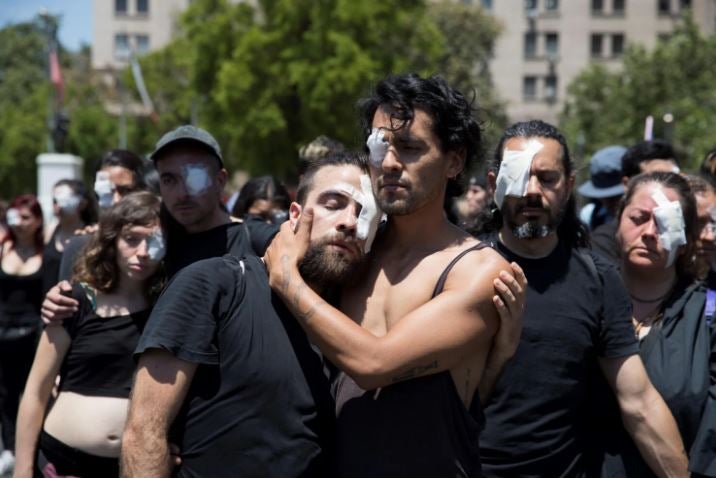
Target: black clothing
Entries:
(51, 259)
(15, 362)
(73, 247)
(416, 428)
(251, 409)
(537, 420)
(184, 248)
(99, 361)
(679, 355)
(260, 233)
(20, 299)
(603, 241)
(64, 460)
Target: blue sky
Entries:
(76, 23)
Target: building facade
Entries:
(545, 44)
(123, 27)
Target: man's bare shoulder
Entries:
(477, 269)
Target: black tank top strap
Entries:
(443, 277)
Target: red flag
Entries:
(56, 75)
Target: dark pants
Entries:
(56, 460)
(16, 357)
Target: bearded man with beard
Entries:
(577, 322)
(226, 373)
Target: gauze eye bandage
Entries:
(670, 223)
(66, 199)
(196, 179)
(514, 175)
(13, 217)
(378, 146)
(156, 248)
(104, 189)
(370, 214)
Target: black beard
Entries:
(326, 268)
(532, 229)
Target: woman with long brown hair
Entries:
(115, 282)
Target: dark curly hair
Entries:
(646, 151)
(452, 115)
(570, 230)
(262, 187)
(97, 265)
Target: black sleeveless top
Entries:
(99, 361)
(51, 259)
(416, 428)
(20, 301)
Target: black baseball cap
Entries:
(190, 134)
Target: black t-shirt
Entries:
(70, 253)
(99, 361)
(184, 248)
(603, 241)
(538, 418)
(254, 405)
(260, 232)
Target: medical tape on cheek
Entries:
(378, 146)
(196, 179)
(514, 175)
(369, 216)
(104, 189)
(670, 223)
(156, 246)
(12, 217)
(66, 199)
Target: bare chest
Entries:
(386, 294)
(13, 264)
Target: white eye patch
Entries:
(104, 189)
(370, 214)
(378, 146)
(66, 199)
(670, 223)
(156, 246)
(514, 175)
(196, 179)
(13, 217)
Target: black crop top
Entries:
(99, 360)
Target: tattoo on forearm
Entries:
(416, 371)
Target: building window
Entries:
(142, 7)
(664, 7)
(684, 4)
(597, 6)
(530, 4)
(617, 44)
(552, 45)
(596, 45)
(486, 4)
(530, 45)
(618, 7)
(121, 46)
(550, 88)
(120, 7)
(529, 87)
(142, 43)
(552, 5)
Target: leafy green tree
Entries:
(674, 78)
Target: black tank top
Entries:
(416, 428)
(20, 300)
(51, 259)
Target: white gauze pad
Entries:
(378, 146)
(370, 214)
(514, 175)
(670, 222)
(12, 216)
(104, 189)
(66, 199)
(196, 179)
(156, 247)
